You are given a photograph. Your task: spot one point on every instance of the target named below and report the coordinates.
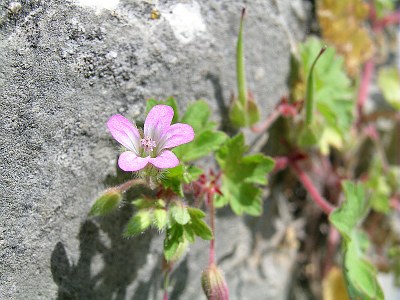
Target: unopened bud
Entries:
(106, 203)
(213, 283)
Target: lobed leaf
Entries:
(241, 175)
(389, 83)
(179, 212)
(206, 138)
(360, 274)
(175, 177)
(352, 211)
(200, 228)
(203, 144)
(174, 243)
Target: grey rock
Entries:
(66, 67)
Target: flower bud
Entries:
(213, 283)
(109, 201)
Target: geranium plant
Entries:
(323, 129)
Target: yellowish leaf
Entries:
(342, 25)
(334, 286)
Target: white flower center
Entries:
(148, 144)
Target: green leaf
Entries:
(197, 226)
(191, 174)
(244, 116)
(173, 179)
(241, 175)
(174, 243)
(359, 272)
(196, 213)
(329, 137)
(307, 137)
(389, 83)
(200, 228)
(202, 145)
(142, 203)
(379, 185)
(138, 223)
(352, 211)
(196, 115)
(170, 102)
(108, 202)
(384, 6)
(394, 256)
(179, 213)
(206, 139)
(237, 114)
(253, 112)
(189, 233)
(257, 166)
(160, 218)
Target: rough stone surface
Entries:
(65, 68)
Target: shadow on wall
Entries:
(121, 257)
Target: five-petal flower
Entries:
(153, 145)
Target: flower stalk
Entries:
(211, 207)
(311, 189)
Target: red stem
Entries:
(281, 162)
(127, 185)
(311, 189)
(390, 19)
(267, 123)
(364, 86)
(333, 241)
(210, 200)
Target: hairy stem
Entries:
(127, 185)
(364, 86)
(333, 241)
(267, 123)
(166, 284)
(210, 200)
(311, 189)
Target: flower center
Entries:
(148, 144)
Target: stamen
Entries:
(148, 144)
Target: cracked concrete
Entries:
(65, 68)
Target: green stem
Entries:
(166, 284)
(212, 224)
(310, 89)
(241, 76)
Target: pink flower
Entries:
(152, 146)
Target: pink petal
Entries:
(158, 121)
(129, 161)
(166, 160)
(176, 135)
(124, 132)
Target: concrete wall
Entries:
(65, 68)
